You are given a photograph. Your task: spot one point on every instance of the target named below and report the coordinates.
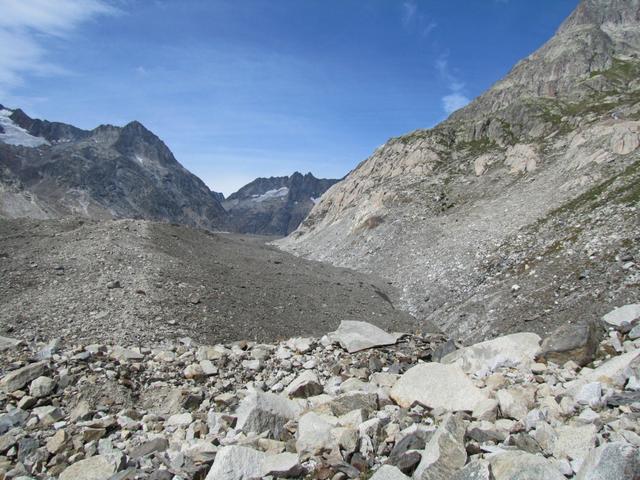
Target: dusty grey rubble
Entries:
(246, 290)
(142, 412)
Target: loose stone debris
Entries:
(307, 408)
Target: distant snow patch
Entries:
(280, 192)
(15, 135)
(315, 200)
(140, 159)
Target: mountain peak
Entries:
(602, 12)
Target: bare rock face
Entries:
(275, 205)
(520, 206)
(53, 170)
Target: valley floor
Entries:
(144, 282)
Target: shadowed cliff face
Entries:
(537, 170)
(52, 170)
(275, 205)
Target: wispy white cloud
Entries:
(456, 99)
(25, 27)
(409, 10)
(453, 102)
(414, 20)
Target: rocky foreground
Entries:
(356, 403)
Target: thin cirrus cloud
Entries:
(456, 99)
(414, 20)
(25, 27)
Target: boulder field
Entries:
(348, 405)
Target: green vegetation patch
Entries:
(477, 147)
(621, 71)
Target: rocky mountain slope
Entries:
(140, 281)
(357, 403)
(275, 205)
(519, 212)
(53, 170)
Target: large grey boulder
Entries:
(305, 385)
(611, 461)
(236, 463)
(354, 336)
(615, 371)
(515, 402)
(41, 387)
(17, 379)
(577, 342)
(262, 412)
(356, 400)
(445, 452)
(389, 472)
(315, 434)
(623, 318)
(435, 385)
(574, 442)
(520, 465)
(282, 465)
(7, 343)
(474, 470)
(98, 467)
(126, 354)
(510, 350)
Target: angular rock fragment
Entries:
(445, 452)
(283, 465)
(523, 466)
(474, 470)
(354, 336)
(577, 342)
(615, 371)
(97, 467)
(509, 350)
(236, 463)
(435, 385)
(17, 379)
(574, 442)
(305, 385)
(7, 343)
(623, 318)
(612, 461)
(315, 434)
(262, 412)
(389, 472)
(42, 387)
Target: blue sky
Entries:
(245, 88)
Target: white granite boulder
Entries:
(354, 336)
(435, 385)
(507, 351)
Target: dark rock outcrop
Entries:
(53, 170)
(275, 205)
